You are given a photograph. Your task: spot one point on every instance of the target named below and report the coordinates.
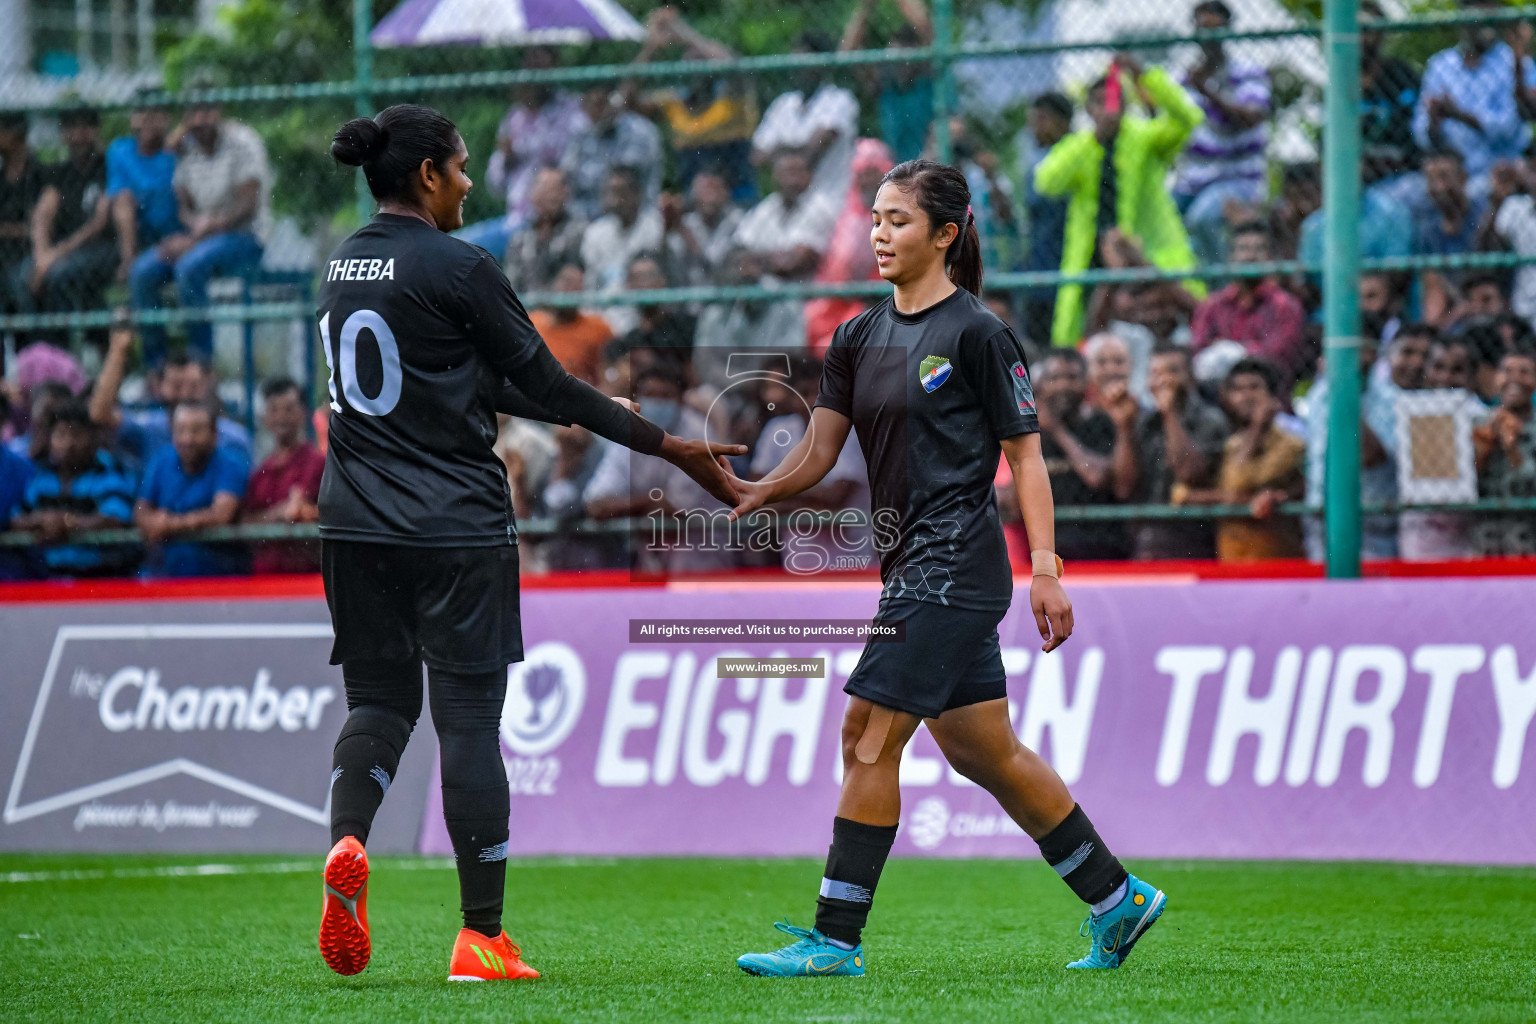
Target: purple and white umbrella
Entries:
(504, 23)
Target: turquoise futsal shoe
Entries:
(811, 956)
(1117, 930)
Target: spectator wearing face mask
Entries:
(846, 542)
(626, 486)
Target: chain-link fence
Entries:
(668, 187)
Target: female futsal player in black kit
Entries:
(937, 386)
(426, 342)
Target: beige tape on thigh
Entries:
(876, 729)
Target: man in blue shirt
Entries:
(15, 471)
(141, 433)
(1448, 228)
(1467, 100)
(14, 475)
(192, 485)
(140, 170)
(79, 488)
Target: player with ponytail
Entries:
(426, 342)
(938, 388)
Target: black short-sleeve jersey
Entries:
(425, 340)
(930, 395)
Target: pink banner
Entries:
(1382, 719)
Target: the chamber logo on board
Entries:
(161, 712)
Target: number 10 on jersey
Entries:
(342, 365)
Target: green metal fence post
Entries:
(943, 78)
(1341, 274)
(362, 79)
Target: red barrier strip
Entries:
(277, 588)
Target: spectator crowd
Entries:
(1180, 392)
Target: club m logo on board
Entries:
(181, 727)
(929, 824)
(932, 372)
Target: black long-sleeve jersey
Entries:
(426, 341)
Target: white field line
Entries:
(292, 867)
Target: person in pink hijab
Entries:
(35, 364)
(849, 255)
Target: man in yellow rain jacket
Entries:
(1134, 186)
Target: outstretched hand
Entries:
(753, 495)
(705, 462)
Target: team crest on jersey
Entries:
(1021, 389)
(933, 371)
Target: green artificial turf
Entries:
(655, 940)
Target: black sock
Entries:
(466, 709)
(477, 825)
(854, 862)
(363, 765)
(1080, 857)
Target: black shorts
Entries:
(454, 608)
(949, 658)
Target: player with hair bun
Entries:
(426, 342)
(938, 388)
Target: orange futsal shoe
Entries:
(477, 958)
(344, 915)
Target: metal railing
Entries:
(1338, 33)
